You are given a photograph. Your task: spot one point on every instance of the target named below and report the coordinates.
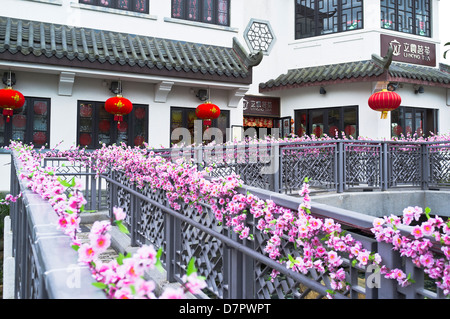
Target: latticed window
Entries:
(96, 126)
(181, 117)
(319, 17)
(127, 5)
(330, 121)
(408, 16)
(413, 121)
(29, 124)
(208, 11)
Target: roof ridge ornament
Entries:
(384, 62)
(249, 60)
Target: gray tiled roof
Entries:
(369, 70)
(61, 44)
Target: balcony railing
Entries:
(233, 268)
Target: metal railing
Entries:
(237, 268)
(233, 268)
(331, 165)
(45, 264)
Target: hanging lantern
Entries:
(10, 100)
(207, 112)
(118, 106)
(384, 101)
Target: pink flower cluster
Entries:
(44, 182)
(122, 278)
(183, 183)
(320, 243)
(10, 199)
(420, 245)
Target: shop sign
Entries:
(409, 51)
(261, 106)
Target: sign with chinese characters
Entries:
(409, 51)
(261, 106)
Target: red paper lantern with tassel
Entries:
(207, 112)
(10, 100)
(384, 102)
(118, 106)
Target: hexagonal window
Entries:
(259, 36)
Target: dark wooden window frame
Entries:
(113, 128)
(315, 13)
(398, 9)
(118, 4)
(185, 110)
(430, 120)
(309, 124)
(184, 12)
(29, 126)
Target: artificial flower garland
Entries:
(321, 240)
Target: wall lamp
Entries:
(9, 79)
(202, 94)
(419, 89)
(392, 86)
(322, 91)
(116, 87)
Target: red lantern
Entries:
(10, 100)
(207, 112)
(333, 130)
(40, 108)
(349, 130)
(39, 138)
(104, 126)
(118, 106)
(138, 140)
(384, 101)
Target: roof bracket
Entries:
(66, 81)
(162, 90)
(235, 96)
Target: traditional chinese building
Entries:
(305, 66)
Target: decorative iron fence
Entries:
(234, 268)
(237, 268)
(45, 265)
(333, 165)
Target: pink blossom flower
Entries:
(363, 257)
(172, 293)
(86, 253)
(193, 283)
(427, 229)
(101, 242)
(119, 214)
(417, 232)
(334, 259)
(426, 260)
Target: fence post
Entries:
(384, 166)
(340, 167)
(392, 260)
(425, 166)
(13, 208)
(238, 271)
(172, 236)
(276, 169)
(93, 189)
(134, 216)
(417, 275)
